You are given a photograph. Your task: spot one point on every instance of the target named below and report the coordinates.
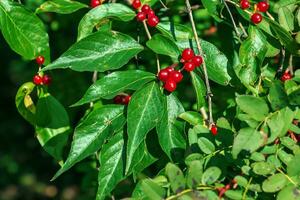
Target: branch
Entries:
(231, 17)
(291, 69)
(209, 93)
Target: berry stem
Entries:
(162, 3)
(232, 19)
(209, 93)
(270, 16)
(291, 65)
(149, 37)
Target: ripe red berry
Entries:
(197, 60)
(126, 99)
(118, 99)
(153, 20)
(170, 69)
(47, 79)
(227, 187)
(187, 54)
(263, 6)
(40, 60)
(146, 8)
(37, 79)
(189, 66)
(245, 4)
(286, 76)
(163, 75)
(95, 3)
(136, 4)
(214, 130)
(176, 76)
(256, 18)
(141, 16)
(170, 85)
(151, 13)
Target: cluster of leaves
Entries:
(257, 141)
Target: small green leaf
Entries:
(263, 168)
(192, 117)
(194, 173)
(176, 178)
(177, 32)
(289, 192)
(200, 90)
(211, 175)
(152, 190)
(286, 18)
(213, 8)
(101, 51)
(61, 6)
(293, 166)
(277, 96)
(206, 145)
(274, 183)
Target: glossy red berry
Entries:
(153, 20)
(187, 54)
(214, 130)
(176, 76)
(37, 79)
(170, 85)
(151, 13)
(141, 16)
(286, 76)
(136, 4)
(146, 8)
(189, 66)
(262, 6)
(95, 3)
(118, 99)
(197, 60)
(126, 99)
(163, 75)
(40, 60)
(227, 187)
(256, 18)
(170, 69)
(244, 4)
(47, 79)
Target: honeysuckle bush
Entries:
(230, 129)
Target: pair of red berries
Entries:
(95, 3)
(42, 80)
(262, 6)
(145, 13)
(122, 99)
(286, 76)
(190, 60)
(170, 77)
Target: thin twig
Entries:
(247, 188)
(291, 68)
(237, 5)
(232, 19)
(243, 29)
(209, 93)
(270, 16)
(164, 5)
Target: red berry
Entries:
(153, 20)
(214, 130)
(245, 4)
(163, 75)
(170, 69)
(170, 85)
(118, 99)
(176, 76)
(227, 187)
(37, 79)
(146, 8)
(126, 99)
(40, 60)
(286, 76)
(136, 4)
(256, 18)
(95, 3)
(197, 60)
(47, 79)
(141, 16)
(189, 66)
(263, 6)
(187, 54)
(151, 13)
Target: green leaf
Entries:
(277, 96)
(149, 2)
(294, 97)
(162, 45)
(289, 192)
(206, 145)
(101, 51)
(293, 166)
(176, 178)
(91, 133)
(255, 107)
(24, 103)
(23, 31)
(112, 84)
(176, 32)
(152, 190)
(286, 18)
(234, 194)
(61, 6)
(144, 112)
(200, 90)
(263, 168)
(170, 130)
(252, 53)
(247, 139)
(211, 175)
(111, 165)
(192, 117)
(274, 183)
(213, 8)
(94, 17)
(194, 173)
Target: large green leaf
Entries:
(213, 7)
(274, 183)
(176, 178)
(293, 166)
(247, 139)
(277, 96)
(114, 83)
(194, 173)
(176, 32)
(111, 165)
(144, 112)
(289, 192)
(152, 190)
(286, 18)
(211, 175)
(95, 16)
(100, 51)
(91, 133)
(169, 130)
(23, 31)
(61, 6)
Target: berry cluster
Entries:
(38, 79)
(286, 76)
(95, 3)
(170, 77)
(145, 13)
(262, 6)
(224, 189)
(190, 60)
(122, 99)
